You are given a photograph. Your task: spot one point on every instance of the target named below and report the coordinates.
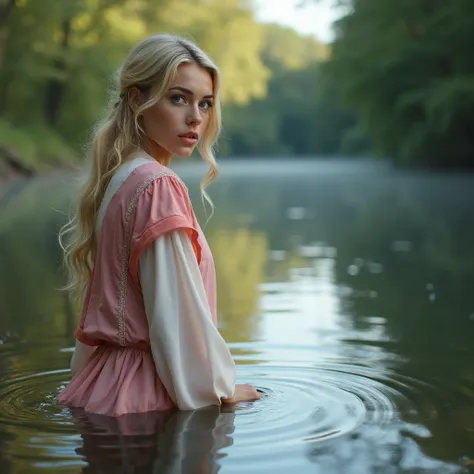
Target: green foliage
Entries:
(300, 115)
(407, 68)
(284, 47)
(57, 75)
(229, 32)
(398, 80)
(36, 144)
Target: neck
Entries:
(157, 152)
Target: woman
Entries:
(147, 338)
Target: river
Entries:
(346, 295)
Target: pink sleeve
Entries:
(162, 207)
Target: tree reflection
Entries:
(31, 306)
(391, 451)
(240, 257)
(404, 260)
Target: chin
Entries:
(184, 152)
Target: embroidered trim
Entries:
(126, 253)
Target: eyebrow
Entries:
(187, 91)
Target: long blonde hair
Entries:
(150, 66)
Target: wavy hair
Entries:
(150, 66)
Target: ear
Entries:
(135, 98)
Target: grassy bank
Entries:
(32, 149)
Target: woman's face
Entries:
(179, 119)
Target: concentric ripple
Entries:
(30, 401)
(310, 404)
(310, 419)
(320, 414)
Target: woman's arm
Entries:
(191, 357)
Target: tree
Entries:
(5, 9)
(301, 114)
(227, 30)
(61, 56)
(406, 66)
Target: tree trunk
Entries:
(5, 83)
(56, 88)
(6, 7)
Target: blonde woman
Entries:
(148, 339)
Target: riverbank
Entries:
(255, 166)
(11, 167)
(33, 149)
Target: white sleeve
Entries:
(191, 357)
(80, 356)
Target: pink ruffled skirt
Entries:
(117, 381)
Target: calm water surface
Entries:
(346, 294)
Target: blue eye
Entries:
(206, 105)
(176, 99)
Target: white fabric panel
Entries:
(192, 359)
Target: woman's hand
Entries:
(244, 392)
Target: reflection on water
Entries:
(239, 256)
(345, 293)
(164, 442)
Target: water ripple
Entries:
(30, 401)
(302, 410)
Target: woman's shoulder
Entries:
(147, 171)
(157, 188)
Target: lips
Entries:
(189, 139)
(191, 135)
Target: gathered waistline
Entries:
(135, 347)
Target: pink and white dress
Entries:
(148, 339)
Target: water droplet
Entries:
(353, 270)
(432, 297)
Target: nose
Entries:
(195, 117)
